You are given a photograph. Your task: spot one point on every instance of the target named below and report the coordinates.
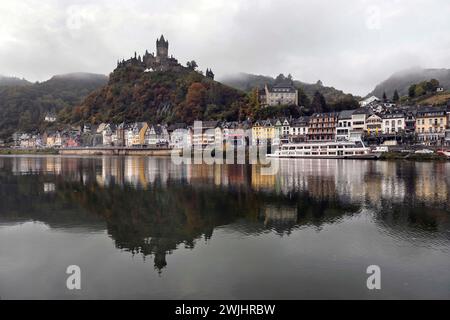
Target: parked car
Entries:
(381, 149)
(424, 151)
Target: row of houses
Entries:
(139, 134)
(428, 124)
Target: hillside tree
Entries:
(396, 96)
(318, 103)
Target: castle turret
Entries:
(162, 48)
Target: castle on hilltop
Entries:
(159, 62)
(151, 62)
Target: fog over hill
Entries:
(247, 82)
(82, 76)
(402, 80)
(12, 81)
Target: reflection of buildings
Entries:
(33, 165)
(164, 205)
(392, 188)
(432, 187)
(49, 187)
(262, 182)
(370, 182)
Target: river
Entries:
(146, 228)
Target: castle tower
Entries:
(162, 49)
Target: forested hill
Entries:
(179, 94)
(23, 106)
(247, 82)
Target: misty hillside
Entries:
(12, 81)
(402, 80)
(247, 82)
(24, 107)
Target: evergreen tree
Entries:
(384, 97)
(396, 97)
(412, 91)
(303, 99)
(192, 65)
(280, 78)
(318, 103)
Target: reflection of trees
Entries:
(419, 218)
(23, 198)
(177, 206)
(155, 222)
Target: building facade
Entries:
(431, 123)
(283, 93)
(344, 125)
(393, 123)
(374, 125)
(322, 126)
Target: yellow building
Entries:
(136, 134)
(431, 123)
(263, 132)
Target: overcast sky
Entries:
(348, 44)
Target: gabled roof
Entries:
(346, 114)
(370, 100)
(300, 122)
(365, 111)
(176, 126)
(286, 86)
(325, 114)
(374, 115)
(210, 124)
(431, 109)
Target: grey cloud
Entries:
(349, 44)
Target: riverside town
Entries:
(224, 158)
(372, 127)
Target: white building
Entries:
(50, 117)
(285, 128)
(393, 122)
(299, 127)
(344, 125)
(157, 135)
(369, 101)
(109, 134)
(204, 133)
(359, 117)
(179, 136)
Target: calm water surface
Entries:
(145, 228)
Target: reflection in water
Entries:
(151, 207)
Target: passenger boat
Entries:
(331, 150)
